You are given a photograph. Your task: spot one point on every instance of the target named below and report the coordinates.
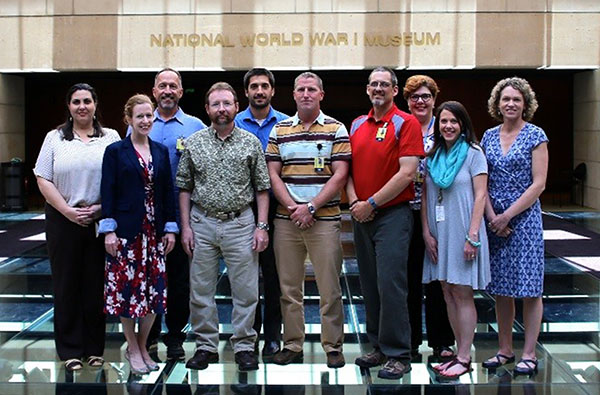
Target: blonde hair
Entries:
(522, 86)
(133, 101)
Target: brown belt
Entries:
(223, 215)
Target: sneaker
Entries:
(393, 369)
(287, 356)
(335, 359)
(175, 352)
(372, 359)
(201, 359)
(246, 361)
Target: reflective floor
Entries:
(568, 349)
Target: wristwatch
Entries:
(263, 226)
(311, 208)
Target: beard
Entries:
(377, 102)
(254, 104)
(168, 105)
(222, 119)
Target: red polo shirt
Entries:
(375, 156)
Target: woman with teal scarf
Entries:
(453, 229)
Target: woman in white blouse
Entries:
(68, 171)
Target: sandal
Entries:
(438, 353)
(95, 361)
(441, 366)
(531, 367)
(455, 361)
(73, 364)
(491, 364)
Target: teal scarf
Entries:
(444, 166)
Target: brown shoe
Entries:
(287, 356)
(372, 359)
(335, 359)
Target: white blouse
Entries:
(74, 167)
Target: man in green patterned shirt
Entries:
(221, 171)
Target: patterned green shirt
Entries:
(222, 175)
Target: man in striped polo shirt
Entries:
(308, 159)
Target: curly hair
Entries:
(520, 84)
(416, 81)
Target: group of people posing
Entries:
(260, 189)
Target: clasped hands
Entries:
(499, 225)
(300, 216)
(362, 211)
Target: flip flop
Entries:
(95, 361)
(531, 367)
(497, 363)
(73, 364)
(455, 361)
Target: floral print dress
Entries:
(135, 283)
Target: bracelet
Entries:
(353, 203)
(372, 202)
(472, 242)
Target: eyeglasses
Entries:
(383, 84)
(217, 105)
(425, 97)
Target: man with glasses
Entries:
(386, 147)
(221, 171)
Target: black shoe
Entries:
(287, 356)
(201, 359)
(269, 350)
(246, 361)
(175, 352)
(153, 352)
(335, 359)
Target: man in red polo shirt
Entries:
(386, 147)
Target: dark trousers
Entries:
(382, 254)
(178, 298)
(439, 331)
(77, 266)
(271, 305)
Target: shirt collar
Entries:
(177, 117)
(387, 117)
(247, 115)
(320, 119)
(231, 136)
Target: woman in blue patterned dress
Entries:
(517, 155)
(139, 222)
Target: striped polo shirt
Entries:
(297, 149)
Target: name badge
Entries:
(179, 146)
(419, 177)
(319, 164)
(440, 216)
(381, 132)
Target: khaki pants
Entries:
(233, 240)
(322, 244)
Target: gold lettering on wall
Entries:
(295, 39)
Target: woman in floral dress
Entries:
(517, 155)
(139, 226)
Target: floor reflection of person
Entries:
(517, 155)
(420, 92)
(453, 228)
(138, 209)
(68, 171)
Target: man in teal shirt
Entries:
(259, 118)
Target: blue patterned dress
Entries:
(517, 261)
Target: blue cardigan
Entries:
(122, 190)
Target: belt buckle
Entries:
(221, 215)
